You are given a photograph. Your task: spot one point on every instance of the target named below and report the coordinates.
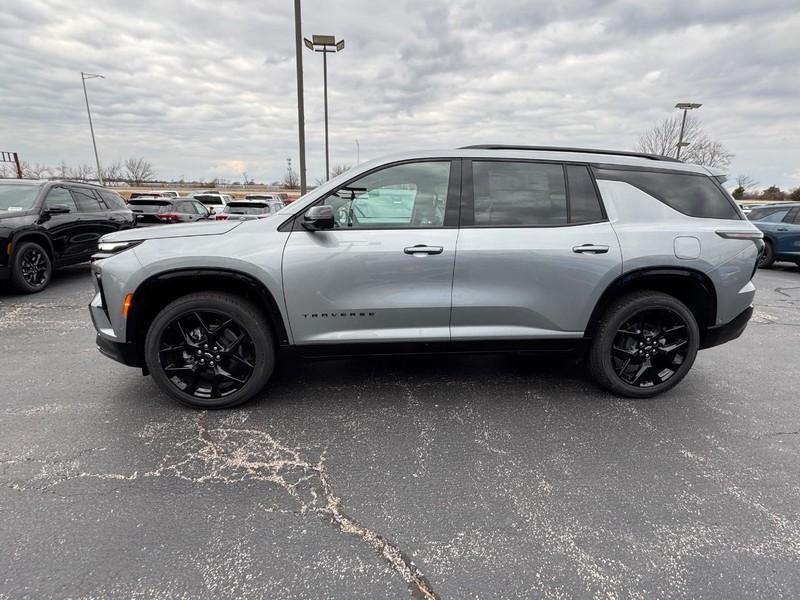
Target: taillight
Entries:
(169, 217)
(221, 217)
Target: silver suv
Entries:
(633, 261)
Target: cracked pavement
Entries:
(445, 477)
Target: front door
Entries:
(385, 272)
(535, 252)
(788, 236)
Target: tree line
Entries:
(134, 171)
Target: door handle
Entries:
(590, 249)
(423, 249)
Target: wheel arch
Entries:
(155, 292)
(694, 288)
(34, 235)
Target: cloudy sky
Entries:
(206, 88)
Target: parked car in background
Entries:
(286, 198)
(488, 248)
(159, 211)
(245, 210)
(263, 197)
(213, 202)
(781, 226)
(45, 225)
(155, 194)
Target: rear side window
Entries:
(519, 194)
(113, 200)
(584, 205)
(86, 200)
(692, 195)
(770, 216)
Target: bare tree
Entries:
(113, 171)
(6, 172)
(37, 171)
(138, 170)
(745, 186)
(62, 171)
(339, 169)
(663, 138)
(82, 172)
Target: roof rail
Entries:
(580, 150)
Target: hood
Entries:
(160, 232)
(5, 215)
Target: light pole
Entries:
(358, 152)
(685, 106)
(298, 50)
(325, 44)
(84, 77)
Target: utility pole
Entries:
(84, 77)
(358, 153)
(298, 39)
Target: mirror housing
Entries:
(319, 217)
(57, 209)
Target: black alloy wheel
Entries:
(206, 354)
(210, 350)
(32, 268)
(650, 347)
(644, 344)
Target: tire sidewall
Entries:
(769, 255)
(615, 322)
(246, 316)
(18, 279)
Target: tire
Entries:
(642, 328)
(767, 258)
(210, 350)
(31, 268)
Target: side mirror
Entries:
(319, 217)
(56, 209)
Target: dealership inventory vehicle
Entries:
(159, 211)
(155, 194)
(244, 210)
(45, 225)
(781, 226)
(632, 261)
(213, 202)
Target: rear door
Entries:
(385, 272)
(535, 251)
(95, 219)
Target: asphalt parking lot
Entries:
(448, 477)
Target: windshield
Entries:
(16, 198)
(215, 200)
(150, 206)
(246, 208)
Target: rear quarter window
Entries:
(692, 195)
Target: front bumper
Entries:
(727, 332)
(122, 352)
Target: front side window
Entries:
(508, 194)
(406, 196)
(60, 197)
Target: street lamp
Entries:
(84, 77)
(685, 106)
(325, 44)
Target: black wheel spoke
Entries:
(649, 347)
(197, 357)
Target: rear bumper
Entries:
(727, 332)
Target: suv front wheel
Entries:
(645, 344)
(31, 268)
(210, 350)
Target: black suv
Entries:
(51, 224)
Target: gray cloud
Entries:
(204, 88)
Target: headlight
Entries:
(115, 247)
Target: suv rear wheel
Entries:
(210, 350)
(645, 344)
(767, 257)
(31, 268)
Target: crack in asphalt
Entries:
(233, 455)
